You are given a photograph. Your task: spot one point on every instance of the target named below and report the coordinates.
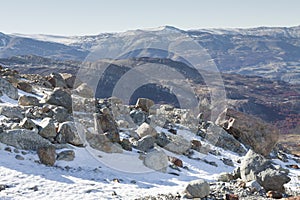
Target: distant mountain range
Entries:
(268, 52)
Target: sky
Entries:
(90, 17)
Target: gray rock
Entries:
(57, 80)
(28, 101)
(60, 97)
(157, 160)
(8, 89)
(178, 144)
(219, 137)
(254, 184)
(102, 143)
(228, 162)
(144, 104)
(48, 129)
(256, 167)
(225, 177)
(19, 157)
(67, 155)
(145, 143)
(26, 87)
(61, 114)
(85, 91)
(67, 133)
(11, 112)
(145, 129)
(23, 139)
(47, 155)
(126, 144)
(162, 139)
(27, 124)
(138, 116)
(197, 189)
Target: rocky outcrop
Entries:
(270, 177)
(197, 189)
(251, 131)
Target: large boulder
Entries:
(8, 89)
(219, 137)
(28, 101)
(145, 143)
(47, 155)
(57, 80)
(48, 129)
(256, 167)
(145, 129)
(27, 123)
(102, 143)
(60, 97)
(144, 104)
(178, 144)
(11, 112)
(67, 133)
(157, 160)
(26, 87)
(197, 189)
(251, 131)
(23, 139)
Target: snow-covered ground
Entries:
(98, 175)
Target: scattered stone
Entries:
(178, 144)
(102, 143)
(225, 177)
(85, 91)
(67, 155)
(251, 131)
(228, 162)
(274, 194)
(60, 97)
(11, 112)
(145, 129)
(145, 143)
(23, 139)
(57, 80)
(69, 79)
(231, 197)
(27, 123)
(197, 189)
(144, 104)
(61, 114)
(26, 87)
(67, 133)
(8, 149)
(8, 89)
(48, 129)
(16, 151)
(19, 157)
(47, 155)
(126, 144)
(138, 116)
(157, 160)
(196, 145)
(28, 101)
(176, 161)
(254, 185)
(162, 139)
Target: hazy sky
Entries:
(86, 17)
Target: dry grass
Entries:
(291, 142)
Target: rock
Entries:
(256, 167)
(69, 79)
(293, 166)
(48, 129)
(228, 162)
(178, 144)
(47, 155)
(11, 112)
(19, 157)
(196, 145)
(251, 131)
(231, 197)
(138, 116)
(145, 143)
(126, 144)
(225, 177)
(8, 89)
(60, 97)
(61, 114)
(23, 139)
(28, 101)
(144, 104)
(236, 173)
(26, 87)
(57, 80)
(3, 187)
(219, 137)
(161, 139)
(67, 155)
(157, 160)
(274, 194)
(197, 189)
(85, 91)
(102, 143)
(27, 123)
(145, 129)
(254, 185)
(176, 161)
(8, 149)
(67, 133)
(292, 198)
